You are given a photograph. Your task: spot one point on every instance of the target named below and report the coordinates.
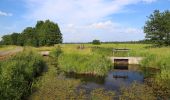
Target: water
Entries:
(120, 76)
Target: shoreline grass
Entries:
(17, 74)
(84, 64)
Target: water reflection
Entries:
(120, 75)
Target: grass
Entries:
(17, 74)
(84, 64)
(154, 57)
(9, 47)
(52, 86)
(92, 59)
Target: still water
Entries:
(119, 76)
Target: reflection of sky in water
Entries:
(112, 83)
(116, 83)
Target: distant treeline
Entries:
(115, 42)
(44, 33)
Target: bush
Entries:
(18, 73)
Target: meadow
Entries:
(87, 60)
(82, 59)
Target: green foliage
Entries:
(103, 51)
(18, 73)
(53, 86)
(87, 64)
(101, 94)
(137, 92)
(157, 28)
(6, 39)
(96, 42)
(44, 33)
(48, 33)
(160, 87)
(56, 52)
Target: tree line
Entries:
(44, 33)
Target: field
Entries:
(92, 59)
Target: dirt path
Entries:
(6, 53)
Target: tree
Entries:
(96, 42)
(48, 33)
(29, 36)
(44, 33)
(157, 27)
(14, 38)
(6, 39)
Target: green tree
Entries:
(29, 36)
(96, 42)
(157, 27)
(44, 33)
(6, 39)
(48, 32)
(14, 38)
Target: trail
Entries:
(5, 53)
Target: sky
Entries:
(82, 20)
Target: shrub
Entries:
(18, 73)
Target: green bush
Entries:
(18, 73)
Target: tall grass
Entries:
(85, 64)
(18, 73)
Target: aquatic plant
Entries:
(101, 94)
(137, 92)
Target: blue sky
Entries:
(82, 20)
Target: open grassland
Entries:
(20, 71)
(153, 57)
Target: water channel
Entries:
(119, 76)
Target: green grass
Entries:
(84, 64)
(17, 74)
(7, 47)
(52, 86)
(92, 59)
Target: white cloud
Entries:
(83, 20)
(76, 11)
(103, 25)
(5, 13)
(105, 31)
